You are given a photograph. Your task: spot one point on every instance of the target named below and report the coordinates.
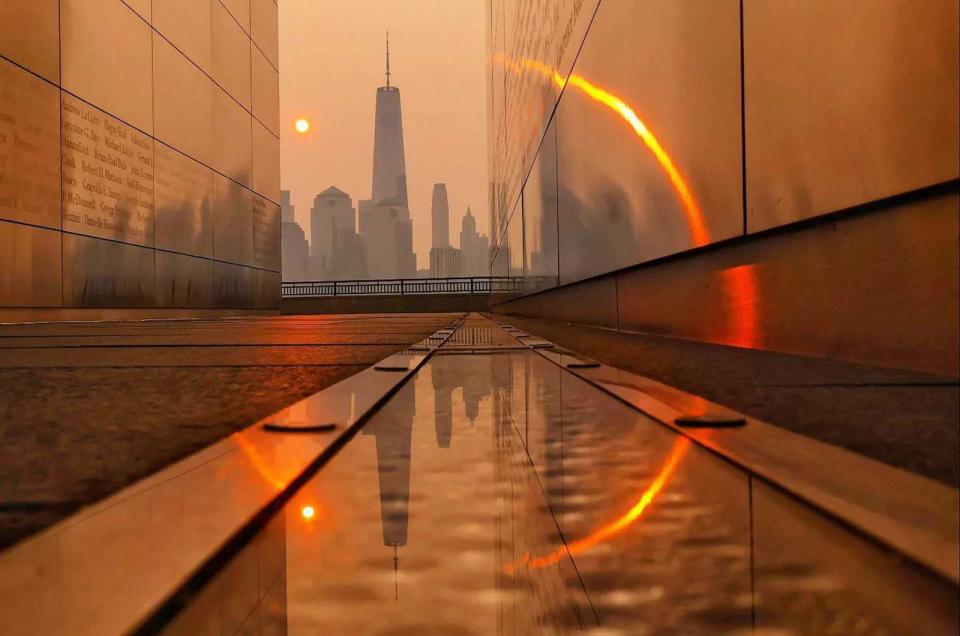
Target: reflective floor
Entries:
(497, 493)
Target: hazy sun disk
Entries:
(302, 126)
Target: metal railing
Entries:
(403, 286)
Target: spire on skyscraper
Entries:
(388, 59)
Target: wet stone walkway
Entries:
(498, 493)
(87, 408)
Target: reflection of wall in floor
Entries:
(249, 595)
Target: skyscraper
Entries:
(440, 216)
(389, 166)
(475, 247)
(335, 250)
(293, 242)
(386, 230)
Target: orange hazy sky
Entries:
(331, 63)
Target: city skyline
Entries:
(445, 138)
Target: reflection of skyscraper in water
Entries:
(393, 430)
(475, 387)
(443, 385)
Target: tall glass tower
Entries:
(440, 216)
(389, 167)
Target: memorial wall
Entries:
(139, 156)
(758, 173)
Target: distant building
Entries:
(387, 235)
(440, 217)
(385, 226)
(446, 262)
(295, 253)
(335, 251)
(474, 246)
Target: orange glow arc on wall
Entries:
(739, 283)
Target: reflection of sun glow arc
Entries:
(607, 531)
(265, 471)
(739, 283)
(692, 212)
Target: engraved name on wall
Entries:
(184, 203)
(29, 148)
(107, 175)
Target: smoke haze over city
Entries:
(333, 62)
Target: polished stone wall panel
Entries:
(230, 65)
(266, 289)
(672, 183)
(233, 285)
(591, 302)
(183, 102)
(184, 203)
(30, 35)
(232, 153)
(107, 175)
(264, 29)
(540, 215)
(29, 266)
(142, 7)
(142, 217)
(515, 241)
(500, 265)
(106, 58)
(232, 221)
(266, 234)
(266, 89)
(266, 163)
(240, 11)
(532, 46)
(99, 273)
(29, 148)
(846, 105)
(184, 281)
(883, 289)
(188, 25)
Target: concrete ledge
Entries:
(915, 516)
(60, 314)
(877, 285)
(152, 544)
(408, 303)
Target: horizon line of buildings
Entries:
(375, 240)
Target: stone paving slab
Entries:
(194, 356)
(79, 422)
(901, 417)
